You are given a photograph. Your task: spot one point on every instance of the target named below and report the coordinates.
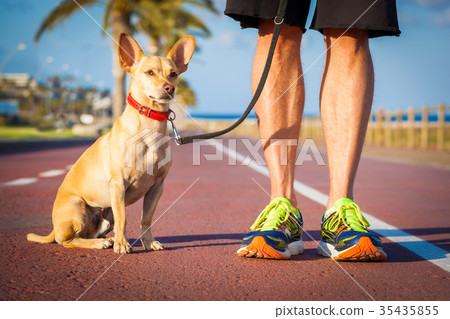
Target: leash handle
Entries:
(278, 20)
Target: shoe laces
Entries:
(351, 216)
(275, 214)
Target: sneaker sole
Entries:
(364, 250)
(258, 248)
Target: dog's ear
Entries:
(181, 52)
(130, 53)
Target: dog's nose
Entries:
(169, 88)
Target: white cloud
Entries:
(436, 12)
(432, 3)
(407, 18)
(442, 18)
(232, 39)
(227, 39)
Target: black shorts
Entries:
(379, 18)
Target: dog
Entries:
(92, 198)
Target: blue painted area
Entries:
(432, 117)
(228, 116)
(208, 116)
(9, 107)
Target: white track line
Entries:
(20, 181)
(30, 180)
(52, 173)
(420, 247)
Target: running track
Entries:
(204, 212)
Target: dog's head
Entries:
(154, 78)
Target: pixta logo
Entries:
(147, 151)
(252, 152)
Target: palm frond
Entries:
(60, 13)
(167, 21)
(208, 4)
(107, 15)
(151, 21)
(186, 93)
(186, 20)
(112, 7)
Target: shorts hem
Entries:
(374, 31)
(236, 15)
(249, 20)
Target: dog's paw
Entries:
(152, 245)
(122, 247)
(108, 243)
(156, 245)
(103, 243)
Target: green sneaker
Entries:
(276, 233)
(345, 234)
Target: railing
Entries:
(425, 129)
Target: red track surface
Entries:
(203, 229)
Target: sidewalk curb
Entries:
(9, 146)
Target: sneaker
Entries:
(276, 233)
(345, 235)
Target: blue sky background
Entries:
(412, 69)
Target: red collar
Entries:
(147, 112)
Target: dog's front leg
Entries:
(151, 198)
(121, 244)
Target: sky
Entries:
(410, 70)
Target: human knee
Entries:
(350, 41)
(288, 33)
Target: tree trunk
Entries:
(120, 24)
(152, 47)
(119, 87)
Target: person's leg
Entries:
(277, 232)
(279, 112)
(345, 102)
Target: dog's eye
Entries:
(150, 72)
(173, 74)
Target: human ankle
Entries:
(291, 199)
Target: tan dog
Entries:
(92, 198)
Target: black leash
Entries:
(276, 32)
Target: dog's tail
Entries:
(42, 239)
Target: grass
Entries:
(24, 132)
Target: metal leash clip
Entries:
(177, 136)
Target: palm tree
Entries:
(162, 20)
(166, 25)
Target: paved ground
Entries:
(203, 214)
